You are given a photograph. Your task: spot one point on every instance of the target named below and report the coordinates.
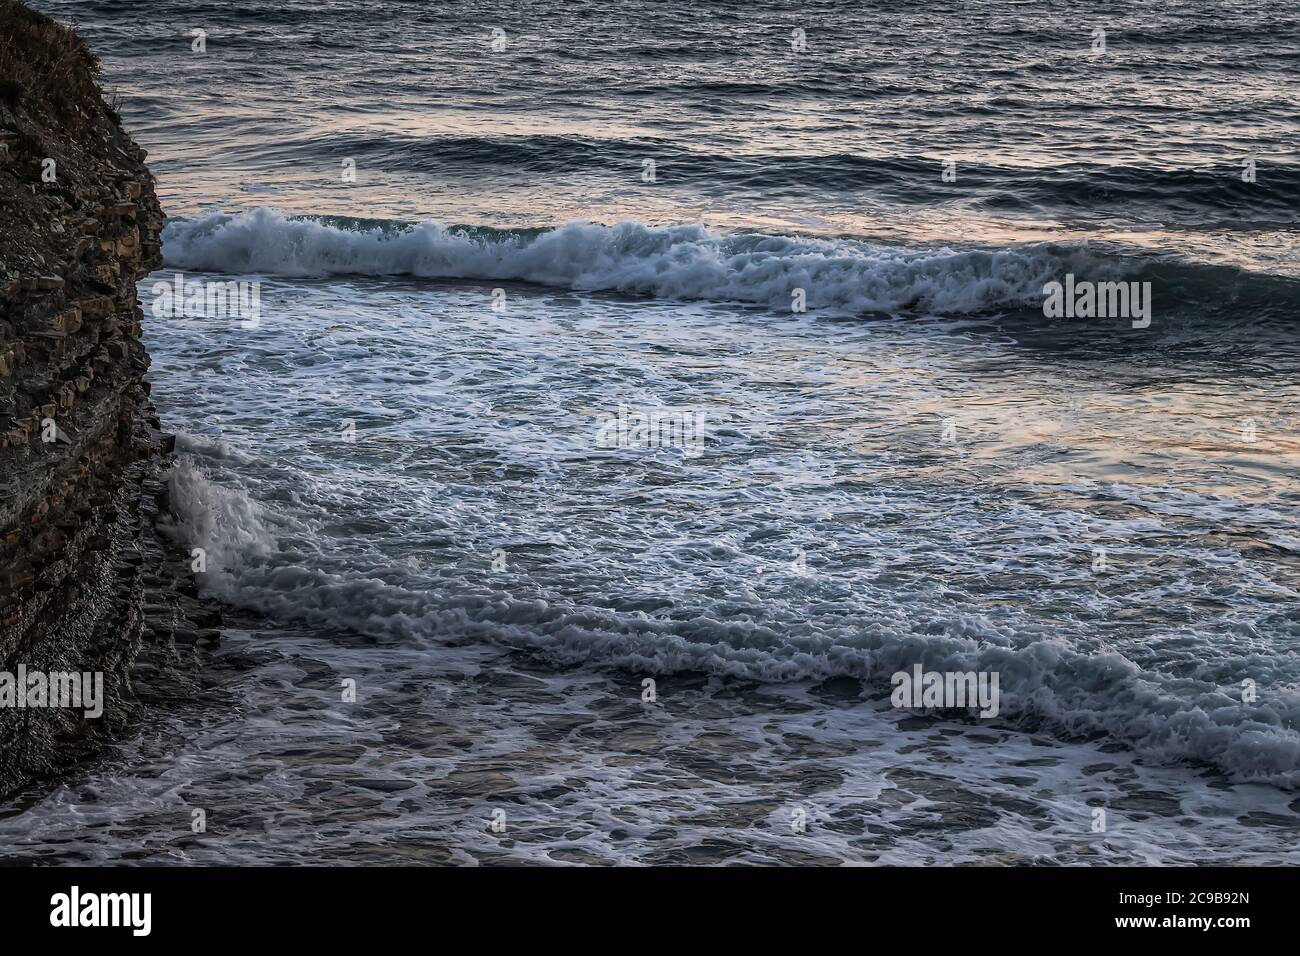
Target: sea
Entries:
(624, 392)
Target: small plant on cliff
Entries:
(113, 102)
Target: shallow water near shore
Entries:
(717, 771)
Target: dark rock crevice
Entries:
(86, 585)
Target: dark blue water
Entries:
(1142, 144)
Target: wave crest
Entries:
(674, 262)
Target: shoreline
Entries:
(575, 767)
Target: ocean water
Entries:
(397, 476)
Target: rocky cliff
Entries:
(85, 585)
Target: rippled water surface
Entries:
(1142, 145)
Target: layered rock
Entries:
(84, 584)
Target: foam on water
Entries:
(475, 433)
(677, 262)
(1043, 676)
(438, 742)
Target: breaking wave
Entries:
(1045, 682)
(675, 262)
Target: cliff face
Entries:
(84, 584)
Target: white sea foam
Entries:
(1043, 677)
(657, 564)
(678, 262)
(222, 522)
